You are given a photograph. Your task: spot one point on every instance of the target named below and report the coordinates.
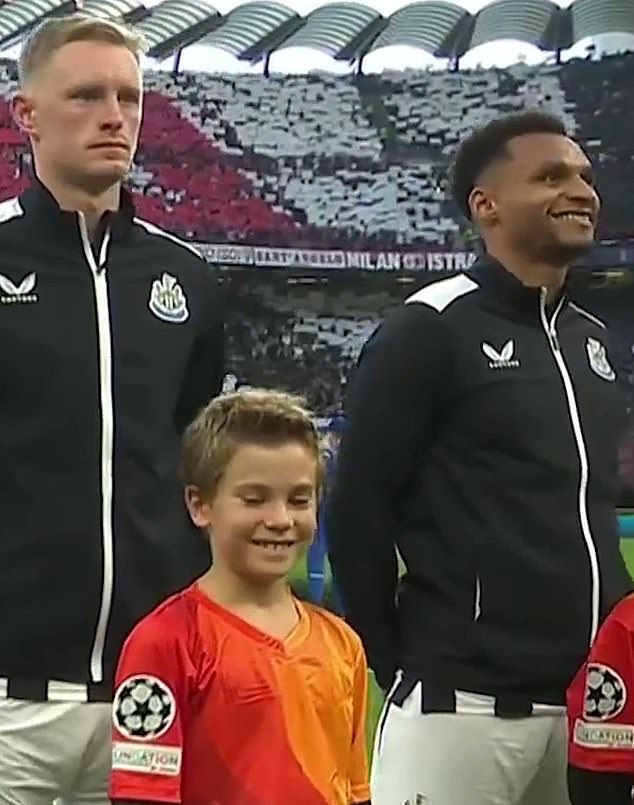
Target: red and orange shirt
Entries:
(601, 698)
(209, 710)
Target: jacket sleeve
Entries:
(395, 396)
(205, 371)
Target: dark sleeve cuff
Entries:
(134, 802)
(599, 788)
(385, 677)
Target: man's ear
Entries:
(24, 114)
(482, 206)
(198, 507)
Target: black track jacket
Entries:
(481, 439)
(106, 352)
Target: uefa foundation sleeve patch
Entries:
(603, 736)
(147, 759)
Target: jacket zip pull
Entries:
(551, 330)
(96, 261)
(103, 251)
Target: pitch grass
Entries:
(375, 701)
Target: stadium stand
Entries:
(326, 161)
(355, 162)
(302, 336)
(184, 185)
(601, 94)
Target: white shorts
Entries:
(54, 751)
(460, 759)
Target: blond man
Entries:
(111, 335)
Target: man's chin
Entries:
(567, 252)
(114, 172)
(98, 179)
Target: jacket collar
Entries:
(39, 202)
(491, 275)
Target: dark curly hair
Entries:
(488, 144)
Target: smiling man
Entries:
(112, 339)
(481, 439)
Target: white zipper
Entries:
(100, 285)
(477, 606)
(553, 341)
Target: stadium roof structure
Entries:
(346, 30)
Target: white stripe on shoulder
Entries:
(152, 229)
(11, 208)
(441, 294)
(589, 316)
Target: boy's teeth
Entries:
(273, 545)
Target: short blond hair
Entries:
(239, 418)
(54, 33)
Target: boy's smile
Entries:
(264, 511)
